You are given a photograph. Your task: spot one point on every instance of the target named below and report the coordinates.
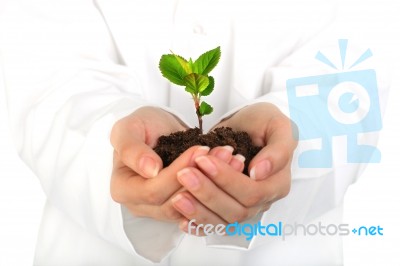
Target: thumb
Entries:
(278, 152)
(270, 160)
(140, 157)
(133, 151)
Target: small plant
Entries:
(193, 76)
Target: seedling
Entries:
(193, 76)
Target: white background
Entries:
(373, 200)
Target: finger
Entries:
(266, 207)
(165, 212)
(278, 185)
(192, 209)
(246, 191)
(190, 228)
(159, 213)
(134, 136)
(278, 151)
(128, 187)
(237, 162)
(212, 197)
(132, 149)
(168, 210)
(224, 153)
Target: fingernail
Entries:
(202, 150)
(237, 162)
(207, 165)
(188, 179)
(240, 157)
(183, 204)
(225, 153)
(149, 167)
(260, 170)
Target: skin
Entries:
(138, 183)
(198, 184)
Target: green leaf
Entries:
(205, 109)
(190, 90)
(172, 70)
(207, 61)
(191, 64)
(196, 82)
(210, 87)
(184, 64)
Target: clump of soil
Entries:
(171, 146)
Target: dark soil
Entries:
(171, 146)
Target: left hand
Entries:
(226, 192)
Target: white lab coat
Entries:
(73, 67)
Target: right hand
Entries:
(134, 137)
(150, 197)
(135, 164)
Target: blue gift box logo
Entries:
(340, 104)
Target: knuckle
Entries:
(239, 216)
(250, 201)
(131, 124)
(124, 152)
(266, 208)
(254, 199)
(116, 194)
(281, 121)
(285, 191)
(207, 197)
(170, 213)
(117, 197)
(115, 131)
(135, 125)
(152, 197)
(136, 213)
(282, 153)
(204, 219)
(287, 155)
(224, 182)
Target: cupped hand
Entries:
(138, 180)
(270, 128)
(219, 191)
(134, 136)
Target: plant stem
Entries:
(200, 123)
(199, 117)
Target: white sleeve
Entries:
(317, 190)
(65, 90)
